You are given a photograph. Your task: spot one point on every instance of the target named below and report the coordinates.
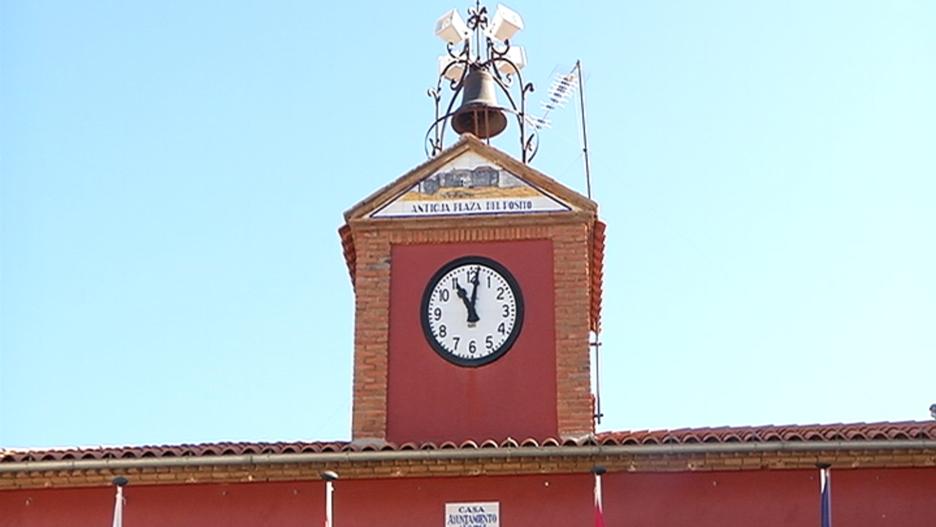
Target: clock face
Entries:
(472, 311)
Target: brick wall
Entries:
(373, 239)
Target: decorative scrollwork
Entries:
(493, 50)
(477, 17)
(505, 77)
(531, 147)
(500, 64)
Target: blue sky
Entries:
(172, 175)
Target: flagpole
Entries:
(598, 470)
(329, 477)
(120, 482)
(825, 494)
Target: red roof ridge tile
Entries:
(766, 433)
(881, 430)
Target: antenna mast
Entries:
(596, 343)
(581, 83)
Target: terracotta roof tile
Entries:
(908, 430)
(597, 278)
(773, 433)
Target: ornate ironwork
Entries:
(470, 55)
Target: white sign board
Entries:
(485, 514)
(468, 185)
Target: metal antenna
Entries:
(559, 92)
(597, 342)
(581, 90)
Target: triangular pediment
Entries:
(470, 179)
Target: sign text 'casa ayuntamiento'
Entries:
(486, 514)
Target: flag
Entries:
(119, 482)
(329, 477)
(599, 508)
(329, 489)
(825, 496)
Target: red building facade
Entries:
(475, 297)
(883, 475)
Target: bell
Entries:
(479, 113)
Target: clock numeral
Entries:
(472, 347)
(501, 329)
(444, 295)
(500, 293)
(442, 331)
(437, 313)
(489, 342)
(457, 340)
(454, 283)
(506, 310)
(488, 281)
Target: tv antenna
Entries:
(563, 86)
(560, 91)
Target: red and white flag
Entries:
(599, 508)
(119, 482)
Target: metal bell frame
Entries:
(494, 55)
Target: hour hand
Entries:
(462, 293)
(469, 304)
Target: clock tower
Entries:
(477, 281)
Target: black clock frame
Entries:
(427, 296)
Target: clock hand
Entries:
(474, 298)
(462, 294)
(469, 304)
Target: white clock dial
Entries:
(472, 311)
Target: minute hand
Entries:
(474, 298)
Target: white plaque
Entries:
(469, 185)
(486, 514)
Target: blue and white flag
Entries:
(825, 496)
